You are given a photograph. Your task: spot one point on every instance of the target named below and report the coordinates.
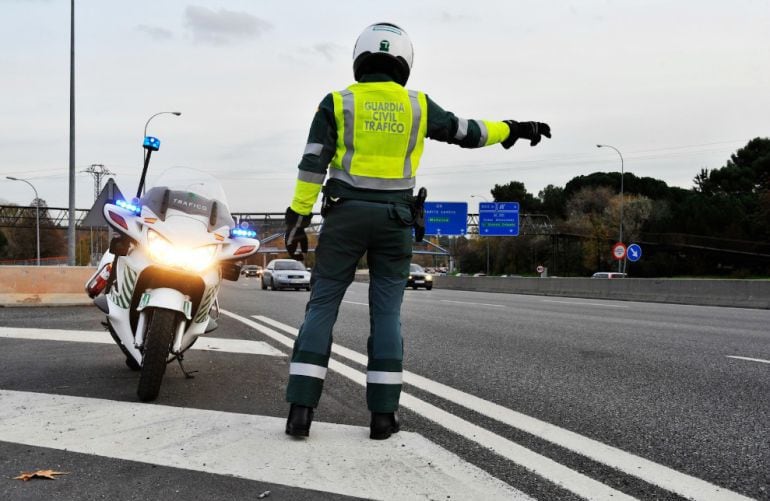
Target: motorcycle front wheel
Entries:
(157, 344)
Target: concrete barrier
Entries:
(53, 285)
(704, 292)
(736, 293)
(44, 285)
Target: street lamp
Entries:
(485, 238)
(177, 113)
(37, 213)
(147, 153)
(620, 238)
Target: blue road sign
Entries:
(446, 218)
(499, 219)
(634, 253)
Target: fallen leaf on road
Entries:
(50, 474)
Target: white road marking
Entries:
(353, 302)
(337, 458)
(474, 304)
(749, 359)
(581, 303)
(547, 468)
(243, 346)
(653, 473)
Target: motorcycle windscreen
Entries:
(191, 192)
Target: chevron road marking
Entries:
(338, 458)
(653, 473)
(204, 342)
(559, 474)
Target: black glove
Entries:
(526, 130)
(295, 234)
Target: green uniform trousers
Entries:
(350, 230)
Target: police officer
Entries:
(366, 142)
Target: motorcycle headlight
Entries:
(161, 249)
(164, 252)
(200, 258)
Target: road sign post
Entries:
(499, 219)
(446, 218)
(634, 253)
(618, 251)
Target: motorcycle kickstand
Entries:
(187, 375)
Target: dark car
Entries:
(418, 277)
(251, 270)
(285, 273)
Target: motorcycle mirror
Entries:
(213, 215)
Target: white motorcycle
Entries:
(158, 284)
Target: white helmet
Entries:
(384, 46)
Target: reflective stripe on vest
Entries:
(381, 131)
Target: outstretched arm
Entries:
(445, 126)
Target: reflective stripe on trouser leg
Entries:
(385, 345)
(313, 344)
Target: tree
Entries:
(747, 172)
(647, 186)
(637, 209)
(553, 201)
(701, 181)
(588, 216)
(515, 191)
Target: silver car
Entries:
(285, 274)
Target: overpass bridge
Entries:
(24, 216)
(269, 226)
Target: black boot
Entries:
(298, 424)
(383, 425)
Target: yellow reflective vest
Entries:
(381, 129)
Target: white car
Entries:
(608, 274)
(285, 274)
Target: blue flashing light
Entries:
(151, 143)
(133, 207)
(238, 232)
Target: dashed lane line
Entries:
(354, 302)
(244, 346)
(473, 304)
(545, 467)
(749, 359)
(653, 473)
(583, 303)
(339, 459)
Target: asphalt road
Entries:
(558, 398)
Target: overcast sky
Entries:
(675, 85)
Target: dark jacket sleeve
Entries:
(319, 151)
(467, 133)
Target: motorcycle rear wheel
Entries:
(157, 344)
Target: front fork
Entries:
(141, 328)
